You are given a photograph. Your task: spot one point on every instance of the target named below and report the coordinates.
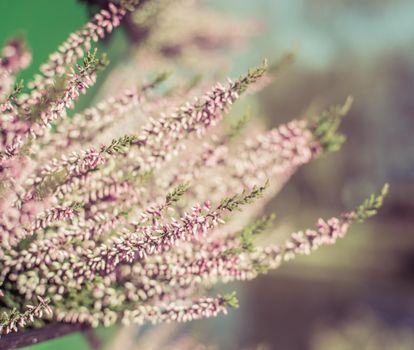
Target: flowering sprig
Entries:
(80, 41)
(10, 322)
(56, 179)
(201, 308)
(54, 215)
(66, 90)
(241, 264)
(158, 140)
(326, 232)
(52, 105)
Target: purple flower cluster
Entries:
(102, 230)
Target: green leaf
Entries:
(231, 300)
(371, 205)
(175, 195)
(325, 126)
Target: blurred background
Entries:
(357, 294)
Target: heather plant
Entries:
(134, 229)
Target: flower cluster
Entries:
(98, 230)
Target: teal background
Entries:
(43, 23)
